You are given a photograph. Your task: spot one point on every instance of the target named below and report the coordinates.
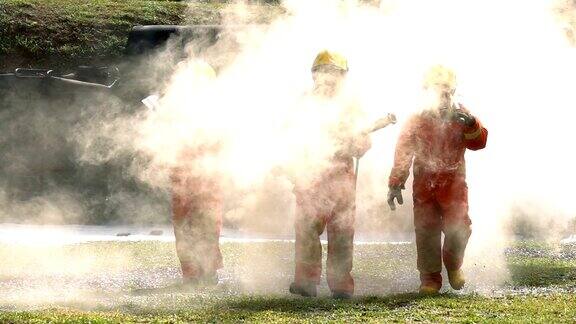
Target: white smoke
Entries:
(515, 72)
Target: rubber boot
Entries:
(305, 290)
(430, 283)
(456, 279)
(341, 295)
(427, 289)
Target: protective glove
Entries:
(383, 122)
(464, 118)
(395, 193)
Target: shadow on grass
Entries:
(262, 308)
(313, 305)
(540, 275)
(207, 307)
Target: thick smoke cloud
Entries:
(515, 69)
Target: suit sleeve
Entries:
(475, 136)
(403, 156)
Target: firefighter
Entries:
(435, 141)
(328, 202)
(197, 205)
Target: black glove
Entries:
(395, 193)
(464, 118)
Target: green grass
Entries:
(69, 32)
(542, 272)
(541, 288)
(538, 264)
(399, 308)
(66, 33)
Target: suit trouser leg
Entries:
(197, 220)
(453, 200)
(341, 251)
(308, 248)
(428, 228)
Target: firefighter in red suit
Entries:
(329, 201)
(434, 142)
(197, 205)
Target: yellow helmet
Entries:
(202, 69)
(440, 75)
(330, 59)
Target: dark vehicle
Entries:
(133, 75)
(49, 121)
(143, 39)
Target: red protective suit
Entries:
(440, 193)
(327, 203)
(197, 219)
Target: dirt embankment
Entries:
(67, 33)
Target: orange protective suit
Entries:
(328, 200)
(327, 203)
(197, 219)
(437, 146)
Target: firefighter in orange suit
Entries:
(197, 206)
(329, 201)
(434, 142)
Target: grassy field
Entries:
(67, 33)
(401, 308)
(124, 282)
